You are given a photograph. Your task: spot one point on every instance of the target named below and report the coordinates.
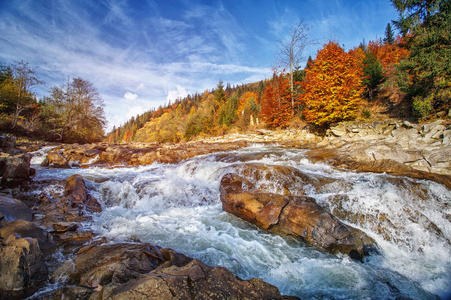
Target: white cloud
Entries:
(180, 92)
(134, 111)
(130, 96)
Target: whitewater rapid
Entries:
(178, 206)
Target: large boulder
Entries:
(55, 160)
(22, 267)
(25, 229)
(101, 265)
(13, 209)
(14, 163)
(77, 194)
(143, 271)
(298, 216)
(194, 281)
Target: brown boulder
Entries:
(27, 229)
(76, 193)
(22, 267)
(279, 179)
(194, 281)
(101, 265)
(14, 168)
(55, 160)
(298, 216)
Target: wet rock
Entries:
(55, 160)
(14, 167)
(277, 179)
(71, 293)
(131, 153)
(25, 229)
(195, 281)
(7, 142)
(76, 193)
(298, 216)
(13, 209)
(22, 267)
(61, 227)
(101, 265)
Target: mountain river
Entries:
(178, 206)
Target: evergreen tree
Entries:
(428, 24)
(219, 92)
(309, 62)
(373, 73)
(389, 35)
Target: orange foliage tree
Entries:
(276, 107)
(248, 108)
(333, 85)
(389, 55)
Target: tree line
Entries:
(408, 75)
(72, 112)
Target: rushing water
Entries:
(178, 206)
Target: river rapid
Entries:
(178, 206)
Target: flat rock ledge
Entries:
(394, 147)
(285, 214)
(93, 267)
(130, 154)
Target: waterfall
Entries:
(178, 206)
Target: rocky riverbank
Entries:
(392, 146)
(32, 242)
(44, 240)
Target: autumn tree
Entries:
(292, 52)
(333, 85)
(74, 112)
(276, 103)
(16, 88)
(248, 108)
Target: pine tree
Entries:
(389, 35)
(427, 28)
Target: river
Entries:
(178, 206)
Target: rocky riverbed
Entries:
(50, 250)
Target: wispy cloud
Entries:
(120, 54)
(154, 48)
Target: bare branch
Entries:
(292, 51)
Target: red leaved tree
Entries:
(276, 109)
(389, 54)
(333, 85)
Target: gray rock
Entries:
(428, 127)
(13, 209)
(447, 137)
(409, 125)
(14, 167)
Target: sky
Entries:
(142, 54)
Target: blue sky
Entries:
(141, 54)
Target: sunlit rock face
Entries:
(297, 216)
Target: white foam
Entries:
(178, 206)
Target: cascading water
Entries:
(178, 206)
